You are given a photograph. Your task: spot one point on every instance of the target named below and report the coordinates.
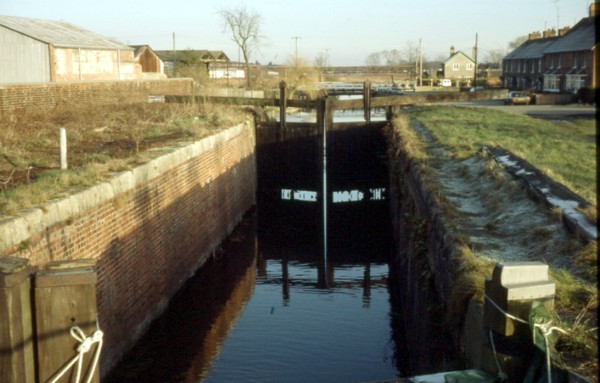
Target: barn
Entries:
(33, 50)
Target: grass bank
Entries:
(557, 148)
(101, 140)
(564, 150)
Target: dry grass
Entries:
(101, 140)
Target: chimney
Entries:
(451, 50)
(535, 35)
(549, 33)
(594, 9)
(563, 31)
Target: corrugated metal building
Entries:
(33, 50)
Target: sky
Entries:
(347, 30)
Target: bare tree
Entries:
(373, 59)
(411, 52)
(322, 59)
(244, 27)
(392, 57)
(517, 42)
(494, 57)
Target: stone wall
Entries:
(148, 229)
(15, 97)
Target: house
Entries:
(459, 67)
(565, 62)
(190, 57)
(33, 50)
(152, 66)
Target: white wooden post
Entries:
(63, 149)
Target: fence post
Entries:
(65, 296)
(63, 149)
(16, 327)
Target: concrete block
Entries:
(122, 182)
(513, 288)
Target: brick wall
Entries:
(149, 229)
(14, 97)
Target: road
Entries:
(541, 111)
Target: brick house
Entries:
(33, 50)
(459, 68)
(549, 62)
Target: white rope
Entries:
(85, 344)
(504, 312)
(546, 331)
(545, 328)
(501, 373)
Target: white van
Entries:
(446, 82)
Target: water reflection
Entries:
(259, 312)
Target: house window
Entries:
(551, 82)
(469, 66)
(575, 82)
(455, 66)
(540, 66)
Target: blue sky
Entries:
(349, 29)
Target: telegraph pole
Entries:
(296, 38)
(475, 58)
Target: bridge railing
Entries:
(325, 106)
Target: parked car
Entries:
(516, 98)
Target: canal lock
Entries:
(353, 226)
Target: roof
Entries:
(138, 49)
(581, 37)
(531, 49)
(59, 34)
(455, 55)
(202, 54)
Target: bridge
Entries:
(372, 98)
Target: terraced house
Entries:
(556, 62)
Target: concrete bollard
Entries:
(512, 289)
(65, 296)
(16, 343)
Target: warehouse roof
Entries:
(59, 34)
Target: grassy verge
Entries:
(552, 148)
(101, 140)
(565, 150)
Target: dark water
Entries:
(281, 302)
(258, 312)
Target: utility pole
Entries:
(174, 56)
(475, 58)
(420, 62)
(296, 38)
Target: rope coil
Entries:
(85, 345)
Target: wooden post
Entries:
(367, 101)
(63, 149)
(65, 296)
(16, 326)
(282, 104)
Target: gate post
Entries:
(65, 296)
(367, 101)
(16, 327)
(282, 104)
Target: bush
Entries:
(587, 95)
